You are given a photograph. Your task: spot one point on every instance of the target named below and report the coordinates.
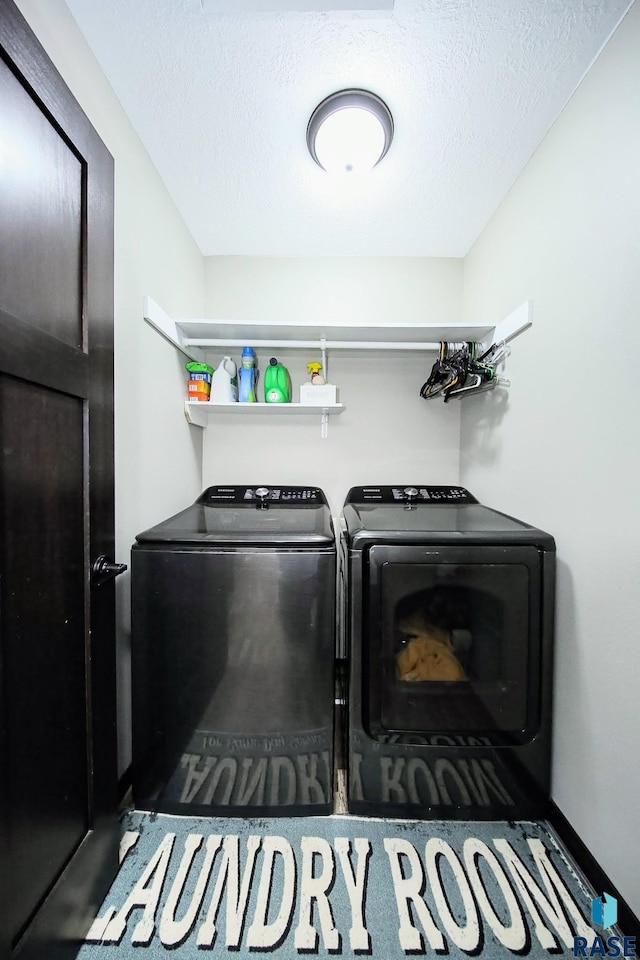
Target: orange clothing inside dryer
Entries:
(427, 656)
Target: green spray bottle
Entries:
(277, 383)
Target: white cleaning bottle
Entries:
(224, 382)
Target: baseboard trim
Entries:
(584, 859)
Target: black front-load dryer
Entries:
(448, 611)
(233, 613)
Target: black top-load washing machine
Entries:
(233, 627)
(449, 633)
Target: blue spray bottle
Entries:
(247, 376)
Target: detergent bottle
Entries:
(248, 376)
(277, 383)
(224, 382)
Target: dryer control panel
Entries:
(263, 495)
(410, 494)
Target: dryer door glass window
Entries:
(454, 645)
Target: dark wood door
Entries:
(58, 770)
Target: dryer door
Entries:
(454, 641)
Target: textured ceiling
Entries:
(221, 101)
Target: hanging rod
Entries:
(314, 344)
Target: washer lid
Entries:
(404, 513)
(237, 516)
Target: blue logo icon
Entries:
(604, 913)
(604, 910)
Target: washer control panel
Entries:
(410, 494)
(267, 495)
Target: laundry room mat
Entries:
(339, 885)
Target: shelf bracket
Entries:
(324, 427)
(198, 418)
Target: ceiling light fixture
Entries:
(350, 131)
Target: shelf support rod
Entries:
(313, 344)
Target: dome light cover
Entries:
(350, 131)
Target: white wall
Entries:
(158, 459)
(387, 433)
(562, 451)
